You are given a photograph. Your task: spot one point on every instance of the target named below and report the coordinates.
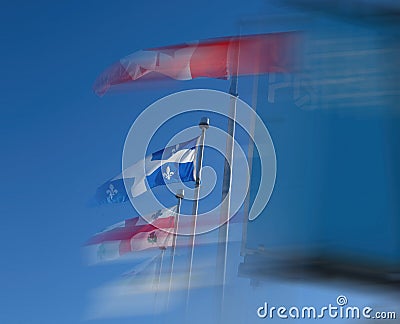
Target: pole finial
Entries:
(204, 122)
(180, 194)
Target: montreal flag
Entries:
(134, 234)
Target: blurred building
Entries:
(335, 125)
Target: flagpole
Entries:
(159, 270)
(223, 231)
(180, 194)
(204, 125)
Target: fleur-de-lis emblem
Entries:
(175, 149)
(152, 238)
(156, 215)
(111, 191)
(168, 173)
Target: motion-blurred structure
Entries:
(335, 209)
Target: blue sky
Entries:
(59, 142)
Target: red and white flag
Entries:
(214, 58)
(134, 234)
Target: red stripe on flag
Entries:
(209, 60)
(267, 53)
(131, 229)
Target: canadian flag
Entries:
(214, 58)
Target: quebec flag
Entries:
(169, 165)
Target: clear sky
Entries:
(59, 142)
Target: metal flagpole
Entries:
(204, 125)
(180, 194)
(159, 271)
(223, 232)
